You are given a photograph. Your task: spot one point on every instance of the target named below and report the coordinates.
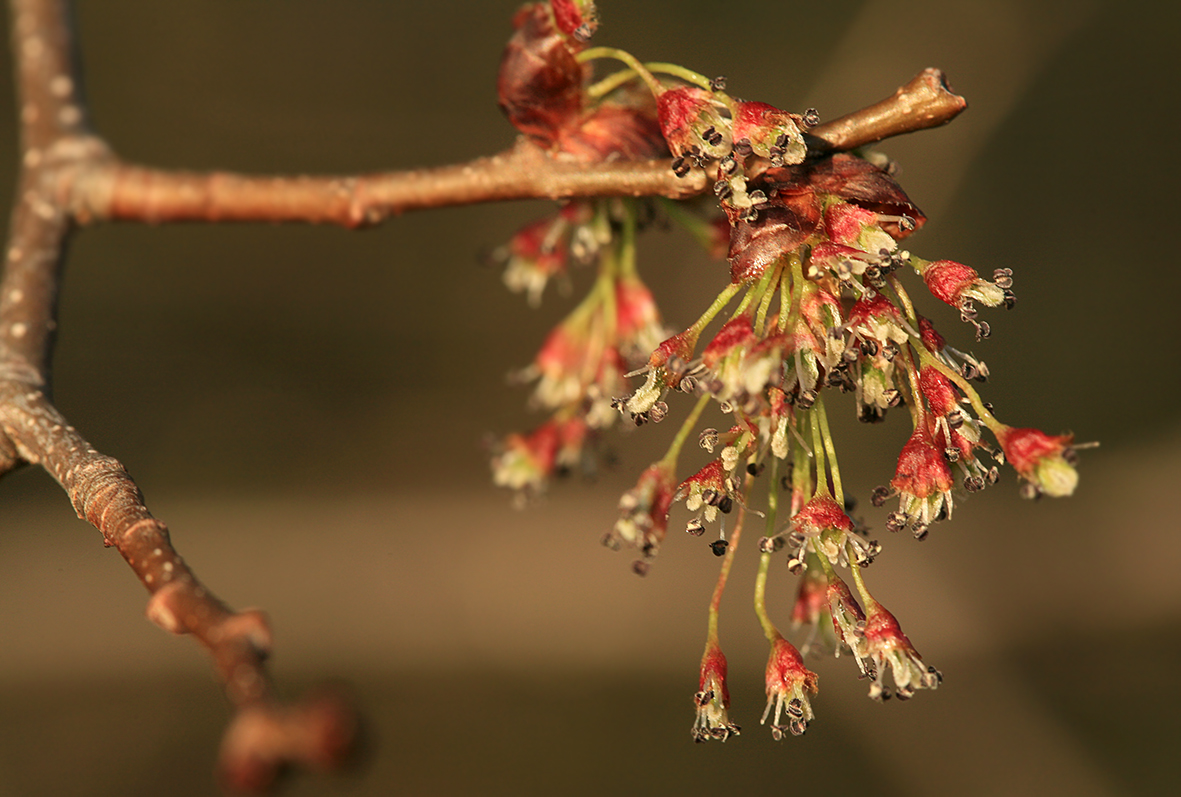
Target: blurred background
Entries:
(308, 410)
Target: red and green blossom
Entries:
(713, 699)
(1045, 461)
(789, 683)
(890, 650)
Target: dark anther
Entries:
(726, 504)
(973, 484)
(806, 399)
(711, 497)
(742, 148)
(782, 139)
(749, 215)
(723, 189)
(708, 132)
(1070, 456)
(896, 521)
(687, 385)
(955, 419)
(583, 33)
(1010, 300)
(893, 397)
(640, 568)
(1029, 491)
(1003, 277)
(906, 223)
(755, 468)
(681, 167)
(920, 532)
(611, 541)
(708, 439)
(811, 117)
(994, 475)
(968, 371)
(770, 544)
(758, 196)
(658, 412)
(728, 164)
(719, 547)
(695, 527)
(869, 347)
(983, 330)
(785, 481)
(718, 83)
(880, 495)
(795, 566)
(952, 453)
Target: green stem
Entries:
(627, 58)
(830, 448)
(627, 257)
(768, 295)
(866, 598)
(903, 299)
(700, 228)
(769, 629)
(989, 420)
(716, 601)
(818, 452)
(723, 299)
(674, 449)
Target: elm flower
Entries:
(643, 512)
(811, 610)
(706, 493)
(768, 132)
(713, 699)
(958, 285)
(525, 463)
(923, 480)
(886, 645)
(848, 621)
(823, 528)
(1045, 461)
(692, 124)
(854, 226)
(955, 430)
(788, 685)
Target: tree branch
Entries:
(112, 190)
(69, 176)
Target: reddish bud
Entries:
(890, 650)
(686, 115)
(954, 283)
(771, 133)
(540, 82)
(713, 699)
(788, 684)
(1041, 459)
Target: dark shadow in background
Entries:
(310, 367)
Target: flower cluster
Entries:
(815, 306)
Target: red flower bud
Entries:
(713, 699)
(788, 685)
(955, 283)
(1043, 460)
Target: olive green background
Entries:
(308, 410)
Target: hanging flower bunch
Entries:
(815, 306)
